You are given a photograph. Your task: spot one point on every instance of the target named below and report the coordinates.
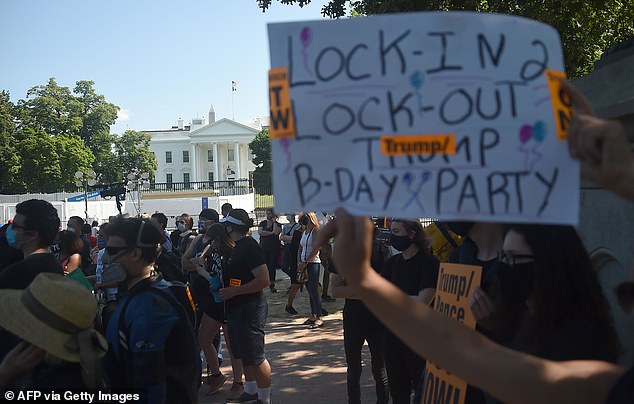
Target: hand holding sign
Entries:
(601, 146)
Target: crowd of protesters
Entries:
(544, 329)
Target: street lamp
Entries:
(138, 182)
(84, 180)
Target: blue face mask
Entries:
(12, 239)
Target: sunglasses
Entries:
(17, 226)
(511, 259)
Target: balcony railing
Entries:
(221, 188)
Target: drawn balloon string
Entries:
(537, 133)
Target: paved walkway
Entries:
(309, 366)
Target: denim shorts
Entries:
(246, 328)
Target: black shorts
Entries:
(246, 328)
(215, 310)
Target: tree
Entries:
(261, 149)
(55, 132)
(9, 158)
(133, 152)
(587, 27)
(49, 162)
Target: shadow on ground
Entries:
(308, 366)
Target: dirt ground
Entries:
(308, 366)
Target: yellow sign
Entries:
(453, 295)
(282, 124)
(233, 282)
(418, 144)
(562, 105)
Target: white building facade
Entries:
(204, 151)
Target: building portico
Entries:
(214, 151)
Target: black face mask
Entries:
(460, 228)
(517, 281)
(401, 243)
(303, 221)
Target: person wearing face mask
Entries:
(153, 348)
(212, 267)
(554, 302)
(32, 231)
(187, 233)
(247, 308)
(8, 255)
(415, 272)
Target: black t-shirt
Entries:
(272, 242)
(245, 256)
(414, 274)
(20, 274)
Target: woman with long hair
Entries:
(308, 260)
(555, 305)
(212, 269)
(70, 248)
(415, 271)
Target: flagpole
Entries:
(234, 88)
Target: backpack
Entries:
(169, 266)
(180, 345)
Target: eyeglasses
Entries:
(512, 259)
(112, 251)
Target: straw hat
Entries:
(55, 314)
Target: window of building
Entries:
(230, 156)
(168, 179)
(186, 179)
(210, 155)
(168, 156)
(185, 156)
(210, 176)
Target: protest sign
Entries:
(453, 294)
(443, 115)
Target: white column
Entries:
(192, 162)
(236, 156)
(216, 172)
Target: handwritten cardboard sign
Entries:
(443, 115)
(453, 294)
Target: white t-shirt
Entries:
(307, 247)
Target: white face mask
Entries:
(71, 229)
(181, 227)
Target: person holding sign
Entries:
(508, 375)
(601, 146)
(359, 326)
(415, 272)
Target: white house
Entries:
(214, 151)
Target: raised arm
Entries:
(508, 375)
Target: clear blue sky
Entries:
(157, 60)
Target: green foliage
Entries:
(54, 132)
(587, 27)
(133, 150)
(9, 158)
(261, 149)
